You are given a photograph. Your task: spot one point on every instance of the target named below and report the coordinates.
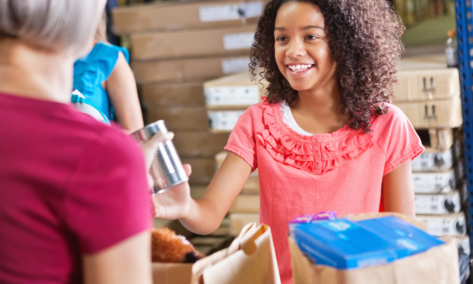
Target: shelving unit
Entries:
(464, 17)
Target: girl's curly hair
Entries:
(364, 39)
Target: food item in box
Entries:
(345, 244)
(166, 246)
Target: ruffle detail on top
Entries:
(317, 154)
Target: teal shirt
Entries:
(93, 69)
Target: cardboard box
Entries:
(433, 161)
(180, 117)
(443, 225)
(234, 91)
(441, 182)
(246, 203)
(437, 139)
(185, 15)
(179, 70)
(445, 113)
(192, 43)
(239, 220)
(463, 243)
(203, 170)
(172, 94)
(438, 203)
(199, 143)
(425, 85)
(224, 120)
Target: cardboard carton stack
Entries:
(429, 94)
(175, 47)
(226, 99)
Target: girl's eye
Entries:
(280, 38)
(311, 37)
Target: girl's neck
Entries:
(319, 110)
(35, 73)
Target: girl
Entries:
(107, 82)
(326, 137)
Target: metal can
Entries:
(166, 169)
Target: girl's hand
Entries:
(175, 203)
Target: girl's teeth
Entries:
(298, 67)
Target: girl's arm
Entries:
(121, 88)
(204, 215)
(398, 190)
(126, 262)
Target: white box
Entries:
(441, 182)
(224, 120)
(232, 95)
(235, 91)
(433, 161)
(438, 203)
(452, 224)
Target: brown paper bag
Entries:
(249, 259)
(437, 265)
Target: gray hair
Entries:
(51, 24)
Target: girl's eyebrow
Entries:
(304, 28)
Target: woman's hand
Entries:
(174, 203)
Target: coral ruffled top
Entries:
(299, 174)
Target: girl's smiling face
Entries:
(301, 48)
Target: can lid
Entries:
(149, 130)
(451, 33)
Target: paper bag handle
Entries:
(199, 267)
(248, 242)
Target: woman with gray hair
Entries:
(74, 199)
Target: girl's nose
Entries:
(296, 49)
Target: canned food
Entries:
(166, 169)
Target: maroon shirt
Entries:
(69, 185)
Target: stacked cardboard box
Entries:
(175, 47)
(429, 94)
(226, 99)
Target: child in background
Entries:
(107, 82)
(326, 137)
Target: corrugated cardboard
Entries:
(434, 114)
(203, 170)
(172, 94)
(438, 182)
(443, 225)
(188, 43)
(433, 161)
(184, 15)
(446, 203)
(234, 91)
(199, 143)
(179, 70)
(239, 220)
(246, 203)
(180, 117)
(424, 85)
